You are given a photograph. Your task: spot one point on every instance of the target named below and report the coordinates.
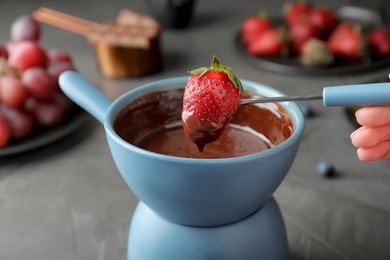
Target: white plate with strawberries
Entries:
(315, 40)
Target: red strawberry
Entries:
(211, 97)
(274, 41)
(253, 26)
(324, 19)
(379, 42)
(294, 10)
(300, 32)
(347, 42)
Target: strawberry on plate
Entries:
(293, 11)
(211, 97)
(253, 26)
(347, 42)
(300, 32)
(272, 42)
(324, 19)
(379, 42)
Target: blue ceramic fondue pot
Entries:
(187, 191)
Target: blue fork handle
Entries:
(357, 95)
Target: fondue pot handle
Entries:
(84, 94)
(357, 95)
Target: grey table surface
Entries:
(67, 200)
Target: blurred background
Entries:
(66, 200)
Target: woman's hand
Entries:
(373, 138)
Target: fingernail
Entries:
(358, 112)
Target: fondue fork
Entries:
(346, 95)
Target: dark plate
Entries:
(292, 65)
(46, 137)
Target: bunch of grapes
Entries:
(30, 97)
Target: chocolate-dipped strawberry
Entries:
(211, 97)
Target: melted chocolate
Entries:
(201, 133)
(153, 122)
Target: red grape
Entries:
(55, 69)
(63, 101)
(26, 55)
(5, 134)
(3, 52)
(30, 96)
(47, 113)
(55, 55)
(10, 46)
(39, 83)
(12, 91)
(21, 123)
(25, 28)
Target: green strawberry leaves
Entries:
(217, 66)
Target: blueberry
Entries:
(326, 169)
(307, 110)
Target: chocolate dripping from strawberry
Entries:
(211, 97)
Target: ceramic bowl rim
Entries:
(174, 82)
